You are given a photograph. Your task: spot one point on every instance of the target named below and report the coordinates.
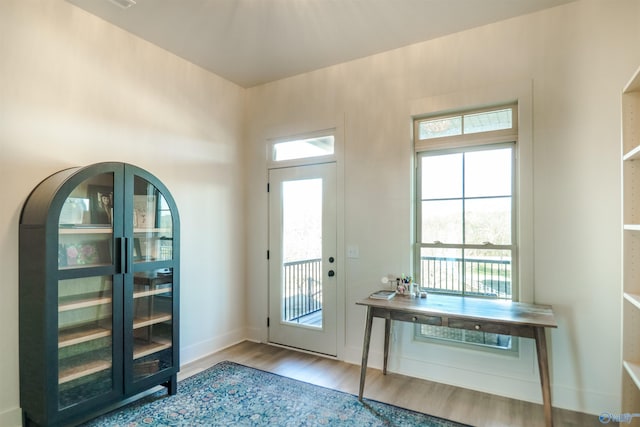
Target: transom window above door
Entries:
(310, 147)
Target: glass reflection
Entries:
(85, 327)
(152, 321)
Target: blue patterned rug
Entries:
(229, 394)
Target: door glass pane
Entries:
(152, 224)
(85, 327)
(302, 252)
(85, 224)
(152, 321)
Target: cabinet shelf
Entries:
(77, 266)
(633, 154)
(632, 227)
(81, 334)
(142, 349)
(634, 83)
(85, 230)
(151, 230)
(83, 370)
(633, 369)
(160, 291)
(82, 301)
(633, 299)
(158, 318)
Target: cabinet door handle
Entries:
(125, 254)
(118, 254)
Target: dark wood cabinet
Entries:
(99, 292)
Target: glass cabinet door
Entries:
(86, 292)
(152, 254)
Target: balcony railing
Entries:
(302, 289)
(468, 276)
(302, 294)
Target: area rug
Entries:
(229, 394)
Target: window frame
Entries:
(512, 246)
(459, 144)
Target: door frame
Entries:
(338, 159)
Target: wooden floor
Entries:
(465, 406)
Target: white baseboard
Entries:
(585, 401)
(204, 348)
(11, 418)
(256, 335)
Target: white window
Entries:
(466, 234)
(304, 148)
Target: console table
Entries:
(478, 314)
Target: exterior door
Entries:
(302, 258)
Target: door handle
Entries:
(332, 273)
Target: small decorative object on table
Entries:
(383, 295)
(403, 285)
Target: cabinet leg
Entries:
(28, 422)
(172, 385)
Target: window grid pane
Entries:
(488, 121)
(487, 173)
(488, 220)
(438, 128)
(471, 272)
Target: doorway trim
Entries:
(338, 157)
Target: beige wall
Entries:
(576, 58)
(75, 90)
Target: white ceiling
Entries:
(251, 42)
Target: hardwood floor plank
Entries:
(454, 403)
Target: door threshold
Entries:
(302, 350)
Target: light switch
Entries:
(353, 251)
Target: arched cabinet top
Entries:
(49, 195)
